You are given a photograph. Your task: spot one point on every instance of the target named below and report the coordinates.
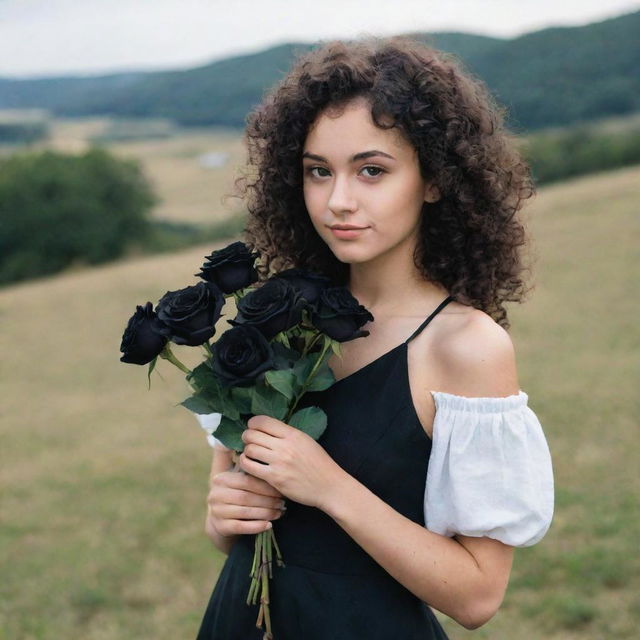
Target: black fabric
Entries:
(330, 588)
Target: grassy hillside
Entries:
(103, 482)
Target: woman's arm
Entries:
(464, 577)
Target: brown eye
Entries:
(310, 171)
(375, 175)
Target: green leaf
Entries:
(228, 406)
(283, 380)
(241, 397)
(208, 387)
(284, 358)
(197, 404)
(152, 366)
(311, 420)
(302, 368)
(335, 347)
(229, 432)
(268, 402)
(202, 377)
(322, 379)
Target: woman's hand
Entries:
(294, 463)
(241, 504)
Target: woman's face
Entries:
(360, 176)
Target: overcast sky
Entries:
(54, 37)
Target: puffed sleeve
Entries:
(209, 422)
(490, 471)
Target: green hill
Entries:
(549, 77)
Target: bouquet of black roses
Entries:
(276, 350)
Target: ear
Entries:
(431, 193)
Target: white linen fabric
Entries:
(490, 471)
(209, 422)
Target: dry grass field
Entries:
(103, 482)
(188, 191)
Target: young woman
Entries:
(383, 165)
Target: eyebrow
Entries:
(358, 156)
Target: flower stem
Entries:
(278, 552)
(307, 382)
(207, 349)
(307, 347)
(167, 354)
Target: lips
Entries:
(347, 231)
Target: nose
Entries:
(342, 199)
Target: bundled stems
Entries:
(262, 571)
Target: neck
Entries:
(392, 283)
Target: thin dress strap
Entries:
(439, 308)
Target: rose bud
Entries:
(144, 336)
(191, 313)
(240, 355)
(339, 315)
(274, 307)
(231, 268)
(309, 284)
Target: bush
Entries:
(579, 150)
(57, 210)
(22, 132)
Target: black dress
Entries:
(330, 588)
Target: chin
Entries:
(352, 257)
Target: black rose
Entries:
(274, 307)
(309, 284)
(339, 315)
(240, 355)
(191, 313)
(231, 268)
(144, 336)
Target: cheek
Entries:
(396, 211)
(315, 207)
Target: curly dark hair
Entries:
(470, 240)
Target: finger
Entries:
(257, 485)
(254, 468)
(237, 512)
(247, 482)
(273, 427)
(260, 453)
(233, 527)
(243, 498)
(245, 527)
(255, 436)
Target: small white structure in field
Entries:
(213, 159)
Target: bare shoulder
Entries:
(476, 356)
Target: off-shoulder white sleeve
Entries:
(209, 422)
(490, 471)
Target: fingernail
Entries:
(282, 506)
(269, 525)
